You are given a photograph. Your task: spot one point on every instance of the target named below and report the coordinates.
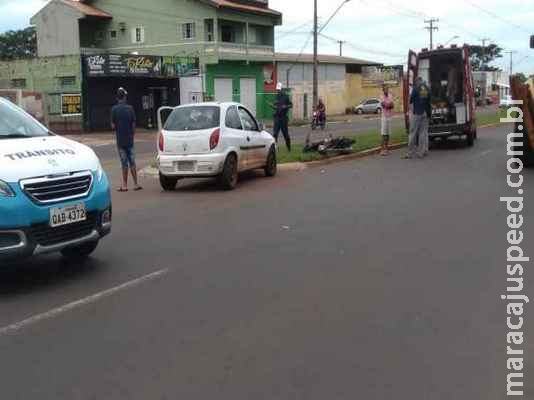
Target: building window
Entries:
(188, 31)
(138, 35)
(18, 83)
(228, 34)
(113, 35)
(66, 81)
(99, 36)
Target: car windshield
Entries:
(194, 118)
(14, 123)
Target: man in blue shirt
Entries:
(421, 105)
(123, 123)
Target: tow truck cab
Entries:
(448, 74)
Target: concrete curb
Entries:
(492, 125)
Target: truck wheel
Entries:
(167, 183)
(271, 167)
(229, 176)
(79, 252)
(470, 139)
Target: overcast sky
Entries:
(378, 30)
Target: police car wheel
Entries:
(81, 251)
(167, 183)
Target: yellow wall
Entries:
(355, 93)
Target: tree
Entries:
(522, 77)
(18, 44)
(481, 57)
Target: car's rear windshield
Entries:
(193, 118)
(14, 123)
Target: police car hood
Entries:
(42, 156)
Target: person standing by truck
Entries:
(387, 104)
(420, 101)
(123, 123)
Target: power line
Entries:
(292, 31)
(363, 49)
(498, 17)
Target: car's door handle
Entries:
(248, 139)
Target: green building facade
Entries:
(228, 39)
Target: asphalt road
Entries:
(373, 279)
(352, 125)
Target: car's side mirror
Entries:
(261, 126)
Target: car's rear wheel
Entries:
(229, 176)
(379, 111)
(81, 251)
(167, 183)
(271, 168)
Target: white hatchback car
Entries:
(212, 140)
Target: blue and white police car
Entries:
(54, 194)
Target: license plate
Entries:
(186, 165)
(67, 215)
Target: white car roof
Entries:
(212, 103)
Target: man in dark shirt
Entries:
(420, 101)
(123, 123)
(281, 107)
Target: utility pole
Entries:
(315, 56)
(431, 28)
(511, 52)
(483, 52)
(341, 43)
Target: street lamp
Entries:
(451, 39)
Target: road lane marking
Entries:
(17, 326)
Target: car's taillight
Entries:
(161, 142)
(214, 138)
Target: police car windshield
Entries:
(16, 124)
(194, 118)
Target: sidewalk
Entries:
(99, 139)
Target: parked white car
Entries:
(506, 102)
(212, 140)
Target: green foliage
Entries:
(18, 44)
(481, 57)
(522, 77)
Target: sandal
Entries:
(138, 188)
(122, 190)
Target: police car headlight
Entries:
(99, 173)
(5, 190)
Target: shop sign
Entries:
(377, 76)
(180, 66)
(122, 65)
(71, 104)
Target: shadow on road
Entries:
(449, 144)
(211, 185)
(43, 273)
